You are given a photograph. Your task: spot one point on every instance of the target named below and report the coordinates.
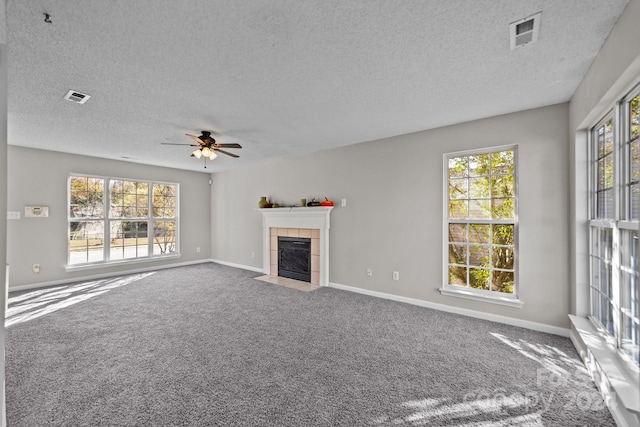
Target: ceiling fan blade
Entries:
(225, 152)
(228, 145)
(196, 139)
(175, 143)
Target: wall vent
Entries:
(524, 31)
(77, 97)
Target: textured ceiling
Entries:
(281, 77)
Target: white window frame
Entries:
(618, 224)
(511, 300)
(106, 220)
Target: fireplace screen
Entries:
(294, 258)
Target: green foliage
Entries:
(164, 201)
(482, 186)
(479, 233)
(605, 172)
(129, 201)
(635, 117)
(635, 156)
(164, 206)
(479, 278)
(502, 281)
(488, 249)
(457, 275)
(86, 197)
(503, 234)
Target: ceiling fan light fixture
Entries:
(207, 147)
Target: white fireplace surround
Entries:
(307, 217)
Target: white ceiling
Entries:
(281, 77)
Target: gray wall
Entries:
(37, 177)
(393, 219)
(613, 73)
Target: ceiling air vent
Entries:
(77, 97)
(524, 31)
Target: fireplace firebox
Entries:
(294, 258)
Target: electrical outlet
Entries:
(198, 249)
(36, 268)
(13, 215)
(396, 275)
(253, 254)
(369, 272)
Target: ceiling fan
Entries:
(207, 147)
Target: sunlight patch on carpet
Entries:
(32, 305)
(430, 411)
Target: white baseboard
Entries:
(442, 307)
(103, 276)
(243, 267)
(123, 272)
(541, 327)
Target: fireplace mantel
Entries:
(302, 217)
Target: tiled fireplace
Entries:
(308, 222)
(313, 234)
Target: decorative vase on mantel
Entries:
(262, 202)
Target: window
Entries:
(481, 223)
(614, 212)
(114, 220)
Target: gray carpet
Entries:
(208, 345)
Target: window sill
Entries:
(621, 378)
(466, 294)
(119, 262)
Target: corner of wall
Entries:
(613, 73)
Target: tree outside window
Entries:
(117, 219)
(614, 214)
(481, 221)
